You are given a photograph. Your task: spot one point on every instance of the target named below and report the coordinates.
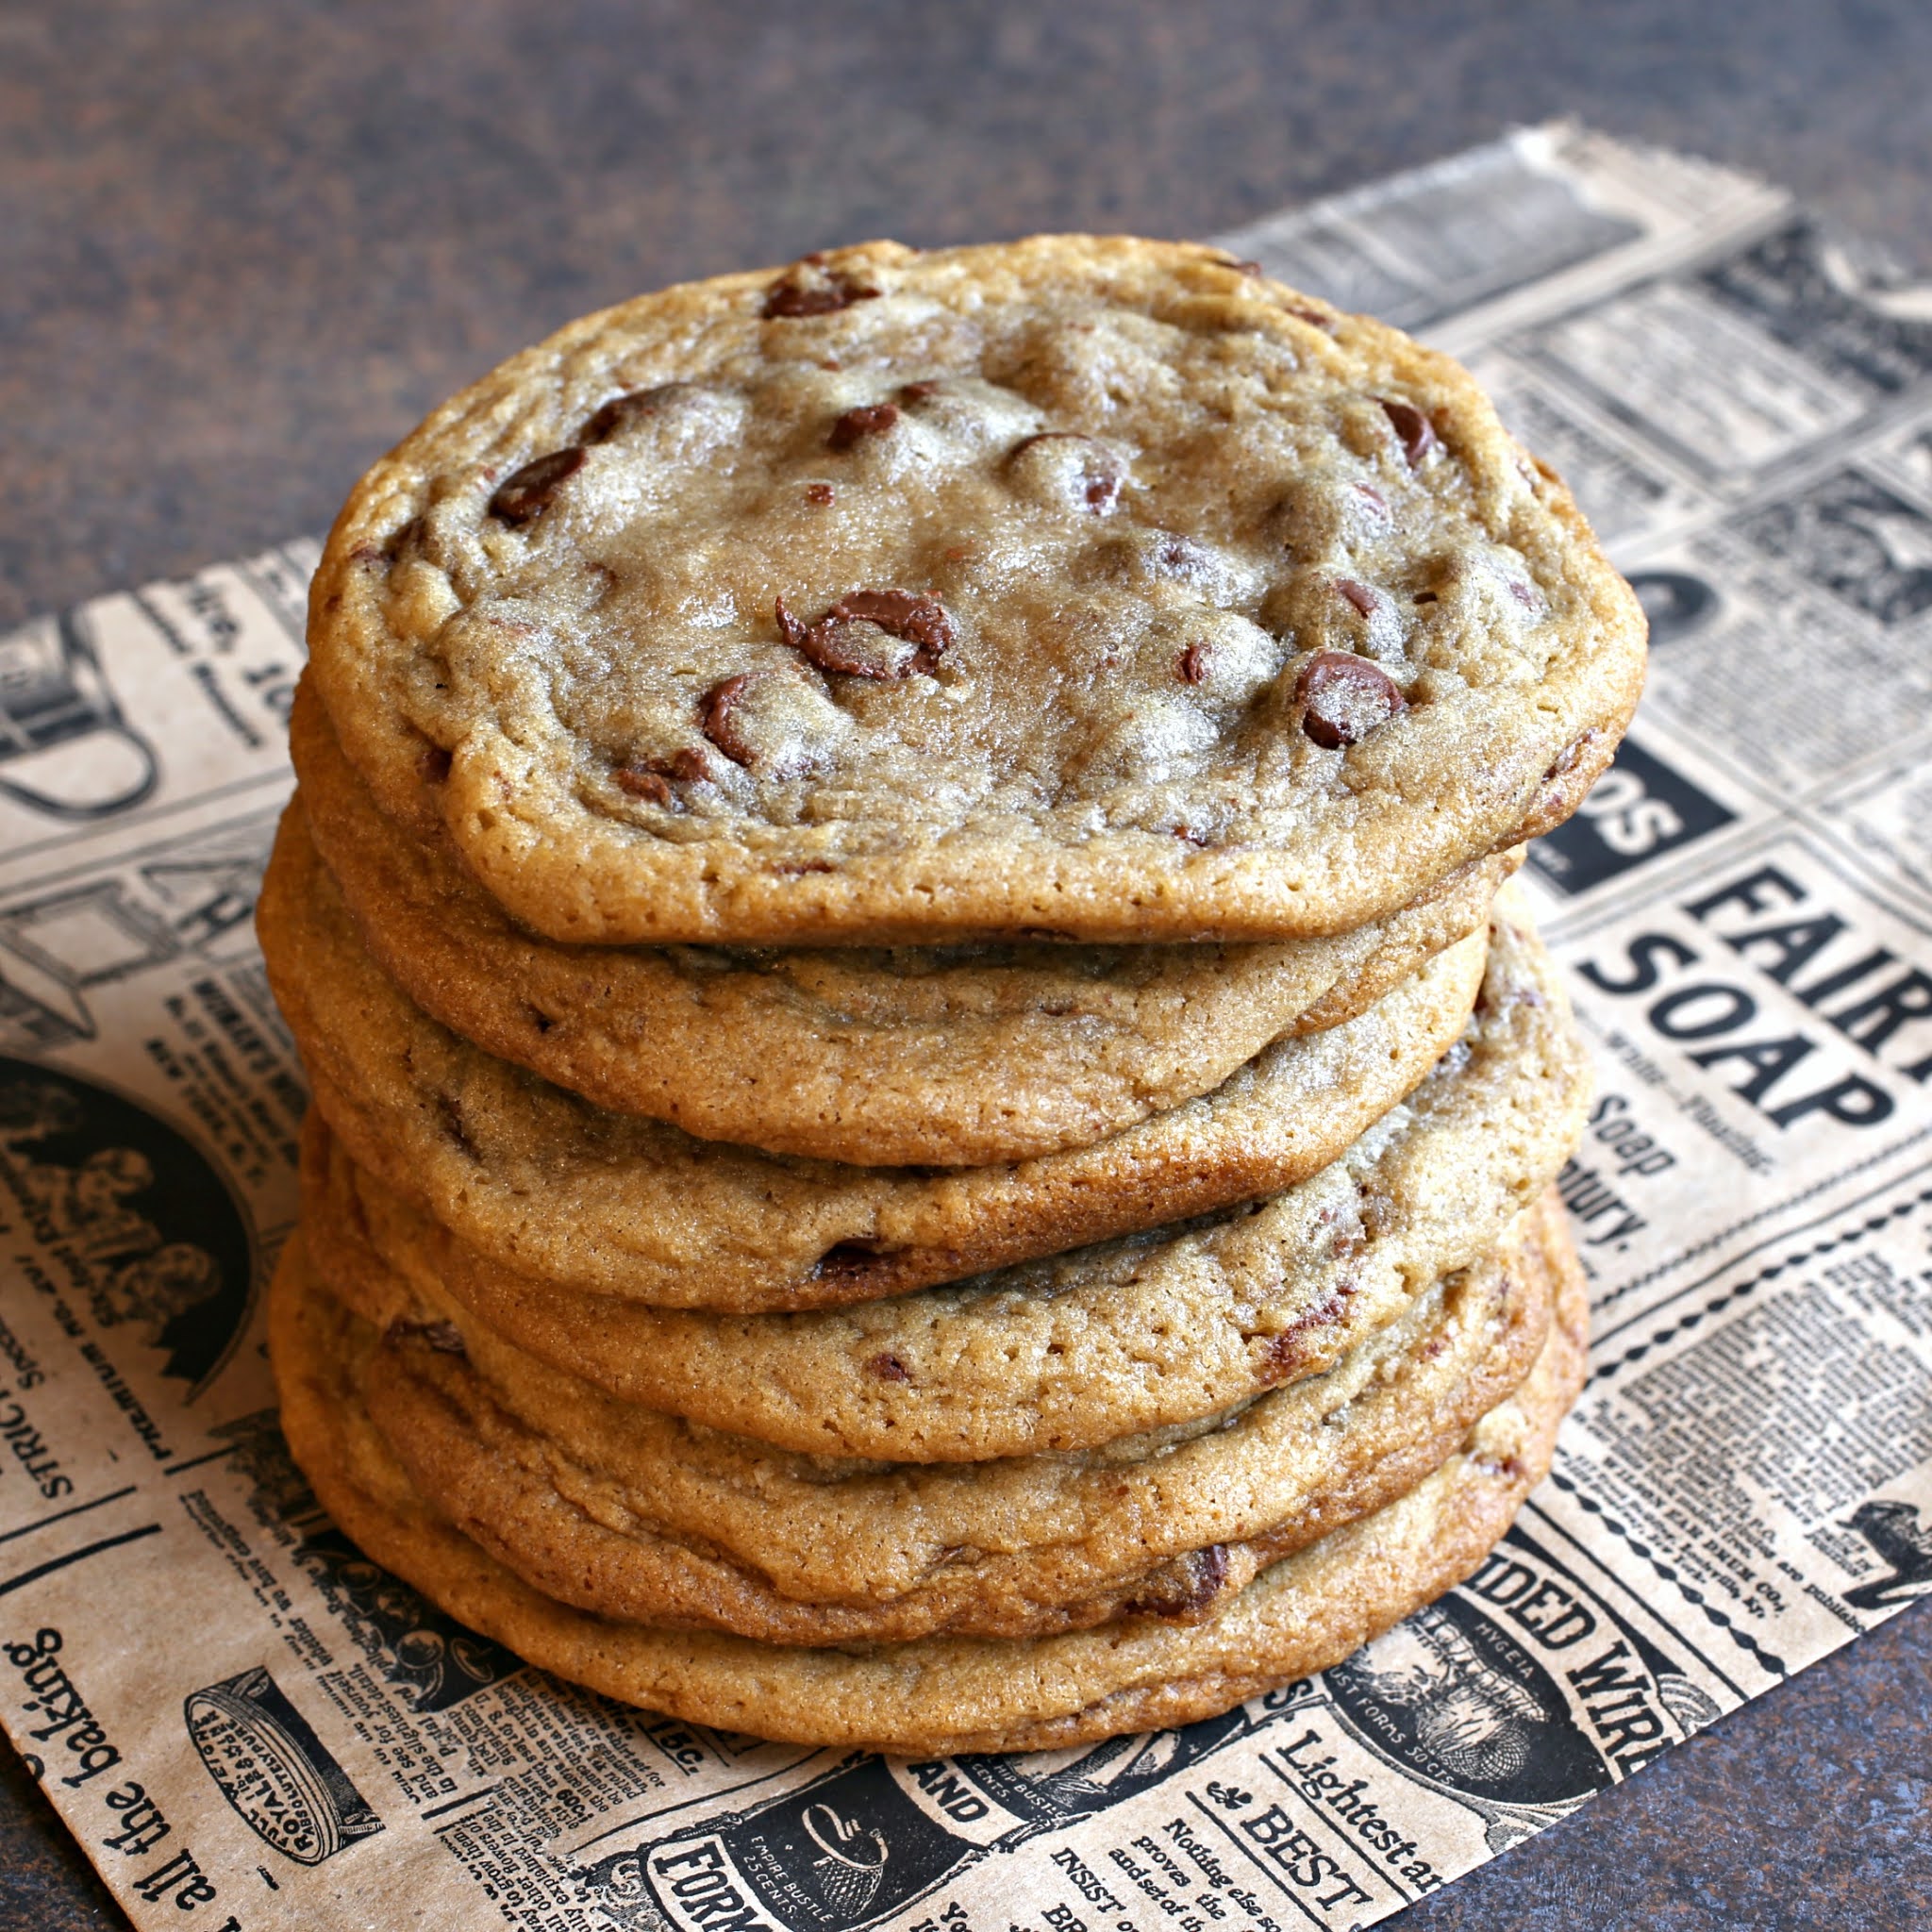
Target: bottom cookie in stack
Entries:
(1370, 1489)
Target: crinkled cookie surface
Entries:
(1077, 586)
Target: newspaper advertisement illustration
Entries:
(243, 1720)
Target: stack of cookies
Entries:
(933, 1114)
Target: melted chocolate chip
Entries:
(888, 1368)
(1572, 754)
(854, 426)
(1193, 664)
(1288, 1353)
(1360, 595)
(1098, 474)
(1188, 1587)
(1563, 787)
(813, 293)
(450, 1118)
(646, 777)
(1344, 698)
(650, 786)
(1506, 1469)
(532, 490)
(614, 417)
(851, 1264)
(1315, 318)
(714, 719)
(819, 494)
(839, 642)
(1413, 429)
(445, 1338)
(406, 541)
(1182, 558)
(917, 392)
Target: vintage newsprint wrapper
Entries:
(242, 1720)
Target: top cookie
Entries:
(1079, 585)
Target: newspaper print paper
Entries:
(241, 1719)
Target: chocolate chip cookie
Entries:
(956, 1055)
(942, 1693)
(613, 1205)
(1067, 1353)
(632, 1513)
(1086, 587)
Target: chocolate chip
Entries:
(1193, 664)
(1572, 754)
(868, 419)
(809, 290)
(614, 417)
(839, 642)
(1372, 497)
(1413, 429)
(714, 719)
(532, 490)
(1565, 784)
(1344, 698)
(1525, 596)
(818, 493)
(1182, 558)
(851, 1264)
(650, 786)
(406, 541)
(888, 1368)
(1095, 474)
(790, 629)
(917, 392)
(645, 777)
(450, 1119)
(1288, 1353)
(1360, 595)
(445, 1338)
(1187, 1588)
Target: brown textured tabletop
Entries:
(244, 244)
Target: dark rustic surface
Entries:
(247, 243)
